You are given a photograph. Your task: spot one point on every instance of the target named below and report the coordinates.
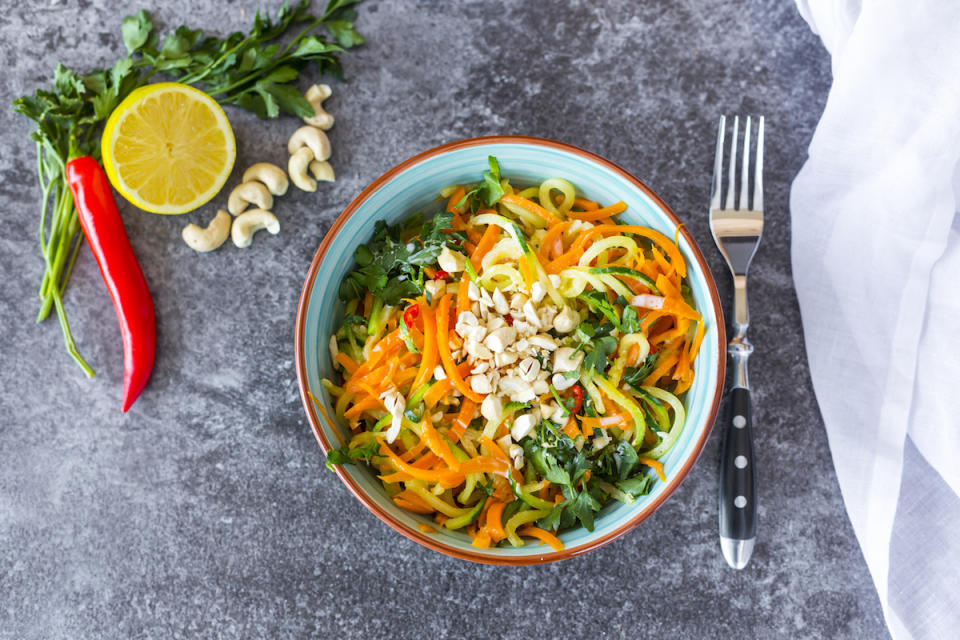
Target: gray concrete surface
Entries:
(207, 513)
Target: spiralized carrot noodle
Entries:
(506, 356)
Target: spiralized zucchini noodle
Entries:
(515, 362)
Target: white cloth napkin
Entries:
(876, 261)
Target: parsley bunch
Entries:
(250, 70)
(391, 265)
(556, 458)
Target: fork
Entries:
(737, 232)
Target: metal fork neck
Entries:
(740, 348)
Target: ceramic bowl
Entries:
(412, 187)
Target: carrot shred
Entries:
(436, 392)
(494, 522)
(437, 445)
(443, 318)
(543, 535)
(571, 428)
(358, 408)
(553, 234)
(414, 451)
(411, 506)
(467, 410)
(665, 364)
(697, 341)
(347, 363)
(673, 252)
(487, 240)
(656, 465)
(530, 206)
(428, 361)
(481, 540)
(586, 205)
(425, 528)
(463, 296)
(387, 344)
(598, 214)
(456, 197)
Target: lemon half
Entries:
(168, 148)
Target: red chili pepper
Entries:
(410, 315)
(121, 272)
(508, 318)
(441, 275)
(577, 392)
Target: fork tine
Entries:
(758, 177)
(731, 187)
(718, 167)
(745, 172)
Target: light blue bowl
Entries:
(412, 187)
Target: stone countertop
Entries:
(206, 512)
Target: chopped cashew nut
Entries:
(500, 339)
(297, 167)
(435, 288)
(270, 175)
(480, 383)
(451, 261)
(500, 302)
(334, 348)
(200, 239)
(561, 382)
(491, 408)
(566, 359)
(249, 222)
(322, 171)
(439, 373)
(522, 426)
(315, 95)
(537, 291)
(566, 321)
(515, 452)
(312, 138)
(529, 369)
(248, 193)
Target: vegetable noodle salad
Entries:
(517, 361)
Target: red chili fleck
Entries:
(577, 391)
(410, 315)
(509, 319)
(441, 275)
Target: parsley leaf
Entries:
(599, 358)
(490, 190)
(346, 455)
(634, 376)
(629, 321)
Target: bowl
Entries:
(412, 187)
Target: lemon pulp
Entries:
(168, 148)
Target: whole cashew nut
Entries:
(299, 162)
(322, 171)
(270, 175)
(249, 193)
(249, 222)
(315, 95)
(310, 137)
(200, 239)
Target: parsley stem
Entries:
(313, 24)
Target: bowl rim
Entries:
(425, 539)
